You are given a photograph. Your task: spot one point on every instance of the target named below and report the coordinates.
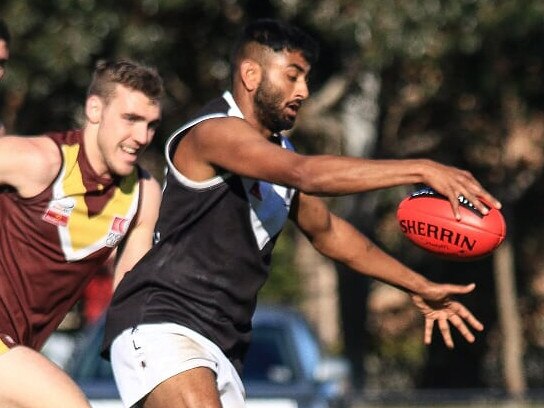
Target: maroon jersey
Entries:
(51, 244)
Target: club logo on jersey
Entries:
(58, 212)
(119, 225)
(118, 230)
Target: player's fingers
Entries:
(468, 198)
(462, 327)
(489, 199)
(428, 336)
(453, 199)
(445, 331)
(475, 323)
(475, 191)
(494, 202)
(468, 317)
(475, 197)
(469, 190)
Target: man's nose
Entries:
(143, 134)
(302, 90)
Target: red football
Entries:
(426, 218)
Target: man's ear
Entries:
(251, 74)
(93, 109)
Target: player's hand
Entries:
(438, 306)
(455, 183)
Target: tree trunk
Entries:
(320, 301)
(510, 321)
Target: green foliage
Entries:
(283, 285)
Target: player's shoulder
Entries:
(29, 163)
(219, 122)
(39, 150)
(208, 131)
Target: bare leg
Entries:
(194, 388)
(30, 380)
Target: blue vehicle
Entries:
(285, 361)
(284, 368)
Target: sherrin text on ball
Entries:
(426, 218)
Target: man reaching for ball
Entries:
(180, 322)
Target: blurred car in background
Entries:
(285, 366)
(285, 361)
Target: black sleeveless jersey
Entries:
(212, 254)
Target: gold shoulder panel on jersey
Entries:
(82, 234)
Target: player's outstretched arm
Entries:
(340, 241)
(234, 145)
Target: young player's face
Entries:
(4, 57)
(282, 90)
(127, 127)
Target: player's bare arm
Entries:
(234, 145)
(340, 241)
(337, 239)
(28, 164)
(140, 237)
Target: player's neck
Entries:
(93, 153)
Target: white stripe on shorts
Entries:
(145, 356)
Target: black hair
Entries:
(278, 36)
(4, 32)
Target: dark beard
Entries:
(268, 108)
